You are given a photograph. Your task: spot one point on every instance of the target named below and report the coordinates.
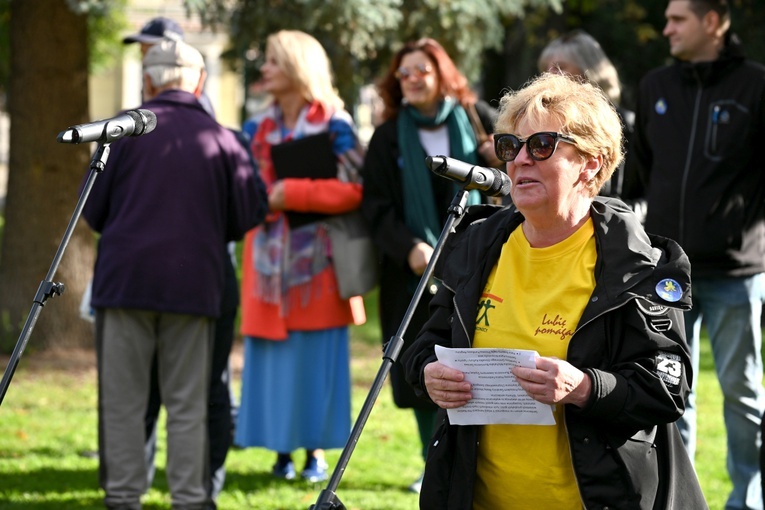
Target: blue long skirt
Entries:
(296, 393)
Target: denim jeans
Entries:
(731, 309)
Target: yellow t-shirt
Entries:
(533, 300)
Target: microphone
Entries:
(129, 123)
(490, 181)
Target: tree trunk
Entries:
(48, 92)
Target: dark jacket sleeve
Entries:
(436, 331)
(383, 195)
(96, 208)
(487, 114)
(645, 375)
(638, 159)
(248, 202)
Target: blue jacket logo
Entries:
(669, 290)
(661, 106)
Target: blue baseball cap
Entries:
(156, 30)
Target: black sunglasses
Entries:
(540, 146)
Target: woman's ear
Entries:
(591, 168)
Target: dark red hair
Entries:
(453, 83)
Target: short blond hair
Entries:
(584, 111)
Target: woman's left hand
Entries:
(555, 381)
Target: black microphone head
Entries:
(500, 186)
(145, 121)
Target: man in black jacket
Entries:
(699, 124)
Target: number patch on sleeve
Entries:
(670, 368)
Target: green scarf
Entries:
(420, 212)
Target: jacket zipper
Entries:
(571, 460)
(459, 315)
(688, 158)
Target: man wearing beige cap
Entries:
(221, 410)
(173, 65)
(165, 206)
(155, 31)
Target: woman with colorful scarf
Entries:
(429, 109)
(296, 376)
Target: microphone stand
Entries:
(48, 288)
(328, 500)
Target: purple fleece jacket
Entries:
(165, 205)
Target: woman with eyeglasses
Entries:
(428, 107)
(574, 278)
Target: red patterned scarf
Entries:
(285, 258)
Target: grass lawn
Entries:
(48, 419)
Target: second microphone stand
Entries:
(328, 500)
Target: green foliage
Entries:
(465, 28)
(350, 31)
(494, 42)
(105, 24)
(640, 25)
(361, 35)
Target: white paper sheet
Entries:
(497, 396)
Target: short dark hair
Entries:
(701, 7)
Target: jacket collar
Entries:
(644, 270)
(620, 274)
(176, 96)
(708, 73)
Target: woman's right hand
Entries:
(276, 196)
(446, 386)
(419, 256)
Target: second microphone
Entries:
(489, 181)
